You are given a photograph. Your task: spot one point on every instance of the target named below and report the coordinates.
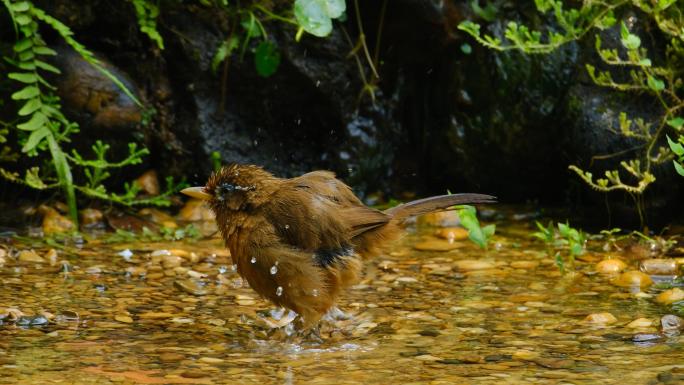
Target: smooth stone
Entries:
(30, 256)
(640, 323)
(148, 182)
(671, 322)
(659, 266)
(155, 315)
(524, 264)
(211, 360)
(54, 222)
(452, 234)
(171, 357)
(633, 279)
(159, 217)
(123, 318)
(196, 210)
(190, 286)
(91, 218)
(604, 318)
(610, 266)
(171, 261)
(670, 296)
(51, 256)
(439, 219)
(473, 264)
(436, 245)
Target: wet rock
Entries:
(472, 264)
(191, 286)
(659, 266)
(554, 363)
(436, 245)
(122, 221)
(646, 337)
(196, 210)
(600, 318)
(525, 265)
(640, 323)
(440, 219)
(171, 357)
(37, 320)
(123, 318)
(671, 323)
(30, 256)
(670, 296)
(54, 222)
(610, 266)
(92, 219)
(51, 257)
(159, 217)
(452, 234)
(148, 182)
(91, 97)
(211, 360)
(634, 279)
(171, 261)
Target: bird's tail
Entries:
(437, 203)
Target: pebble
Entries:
(659, 266)
(30, 256)
(190, 286)
(155, 315)
(436, 245)
(92, 218)
(604, 318)
(148, 182)
(123, 318)
(51, 257)
(671, 322)
(610, 266)
(524, 264)
(472, 264)
(171, 357)
(196, 210)
(634, 279)
(211, 360)
(640, 323)
(670, 296)
(439, 219)
(54, 222)
(171, 261)
(452, 234)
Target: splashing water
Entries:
(274, 269)
(279, 291)
(253, 260)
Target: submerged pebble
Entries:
(604, 318)
(610, 266)
(659, 266)
(670, 296)
(635, 279)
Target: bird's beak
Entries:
(196, 192)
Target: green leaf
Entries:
(250, 26)
(35, 138)
(37, 121)
(22, 45)
(466, 48)
(335, 8)
(47, 67)
(43, 50)
(32, 179)
(224, 50)
(677, 148)
(266, 59)
(676, 123)
(678, 167)
(21, 6)
(312, 15)
(23, 19)
(30, 107)
(27, 92)
(472, 28)
(656, 84)
(628, 40)
(24, 77)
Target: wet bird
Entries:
(299, 242)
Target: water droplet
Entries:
(233, 267)
(274, 269)
(315, 292)
(253, 260)
(318, 83)
(237, 283)
(222, 269)
(287, 227)
(279, 291)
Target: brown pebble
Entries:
(604, 318)
(610, 266)
(30, 256)
(659, 266)
(633, 279)
(148, 182)
(452, 234)
(171, 357)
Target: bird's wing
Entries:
(316, 212)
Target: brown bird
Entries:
(299, 242)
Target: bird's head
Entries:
(235, 187)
